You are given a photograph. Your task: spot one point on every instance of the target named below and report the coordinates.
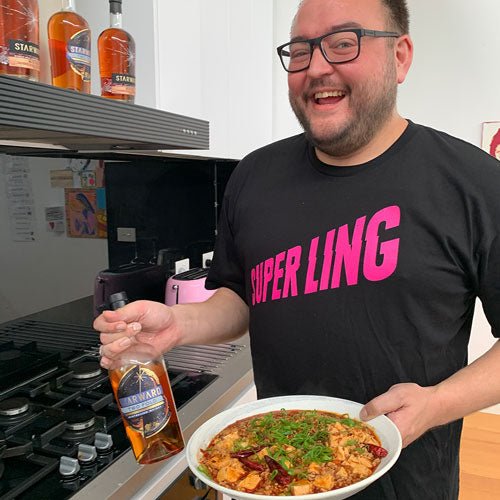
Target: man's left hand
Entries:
(411, 407)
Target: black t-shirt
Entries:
(359, 278)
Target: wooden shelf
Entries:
(41, 119)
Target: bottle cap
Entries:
(115, 6)
(117, 300)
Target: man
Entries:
(355, 252)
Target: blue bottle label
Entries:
(78, 54)
(142, 402)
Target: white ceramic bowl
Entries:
(385, 429)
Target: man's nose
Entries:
(319, 65)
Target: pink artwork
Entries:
(491, 138)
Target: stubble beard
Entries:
(371, 107)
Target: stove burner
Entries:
(13, 407)
(79, 420)
(86, 370)
(9, 354)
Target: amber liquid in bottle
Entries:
(69, 47)
(167, 441)
(142, 390)
(116, 50)
(19, 39)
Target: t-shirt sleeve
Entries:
(226, 269)
(487, 219)
(489, 282)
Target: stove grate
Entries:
(67, 339)
(50, 337)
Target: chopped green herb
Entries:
(318, 454)
(349, 422)
(204, 470)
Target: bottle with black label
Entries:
(19, 39)
(69, 47)
(143, 393)
(117, 58)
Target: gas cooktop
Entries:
(59, 424)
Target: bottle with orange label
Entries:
(19, 39)
(69, 47)
(116, 50)
(143, 393)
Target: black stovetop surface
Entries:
(54, 398)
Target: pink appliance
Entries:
(188, 286)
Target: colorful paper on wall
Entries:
(85, 213)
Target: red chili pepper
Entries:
(378, 451)
(282, 478)
(252, 465)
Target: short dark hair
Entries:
(399, 15)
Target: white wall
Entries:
(451, 86)
(51, 270)
(284, 121)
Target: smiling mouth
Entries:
(329, 97)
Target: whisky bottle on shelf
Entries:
(19, 39)
(117, 58)
(142, 390)
(69, 47)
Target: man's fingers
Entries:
(381, 405)
(117, 321)
(129, 330)
(112, 351)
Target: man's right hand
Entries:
(140, 321)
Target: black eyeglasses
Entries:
(337, 47)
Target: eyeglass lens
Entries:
(337, 47)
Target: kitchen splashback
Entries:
(170, 205)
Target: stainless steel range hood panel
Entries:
(37, 113)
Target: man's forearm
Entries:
(473, 388)
(222, 318)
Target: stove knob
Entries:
(103, 442)
(68, 467)
(87, 454)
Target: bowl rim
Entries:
(259, 406)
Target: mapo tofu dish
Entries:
(292, 452)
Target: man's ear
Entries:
(403, 52)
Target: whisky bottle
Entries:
(19, 39)
(142, 391)
(117, 58)
(69, 47)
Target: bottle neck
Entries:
(68, 5)
(115, 19)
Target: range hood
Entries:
(41, 120)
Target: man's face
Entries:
(361, 93)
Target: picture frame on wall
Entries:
(85, 212)
(491, 138)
